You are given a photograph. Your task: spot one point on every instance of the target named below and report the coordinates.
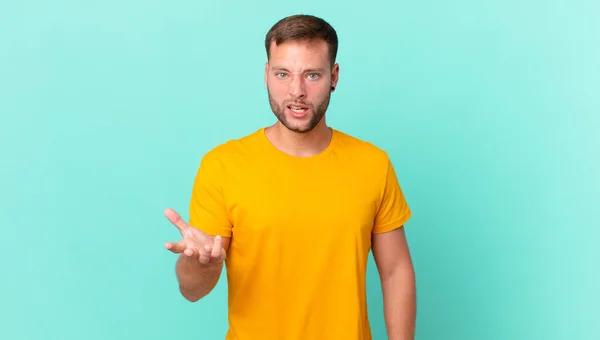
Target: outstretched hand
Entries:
(195, 243)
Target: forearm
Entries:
(399, 300)
(195, 279)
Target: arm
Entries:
(201, 258)
(392, 257)
(196, 280)
(200, 264)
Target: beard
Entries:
(318, 113)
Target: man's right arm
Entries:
(197, 279)
(202, 253)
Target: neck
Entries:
(299, 144)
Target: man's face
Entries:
(299, 78)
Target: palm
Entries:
(194, 237)
(194, 242)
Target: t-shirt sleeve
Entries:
(393, 211)
(208, 209)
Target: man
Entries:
(293, 210)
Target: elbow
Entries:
(191, 296)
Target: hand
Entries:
(195, 243)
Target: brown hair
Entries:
(303, 27)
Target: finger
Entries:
(205, 254)
(190, 252)
(176, 220)
(176, 247)
(217, 247)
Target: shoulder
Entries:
(361, 150)
(231, 149)
(369, 162)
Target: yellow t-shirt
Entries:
(300, 233)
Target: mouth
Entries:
(297, 110)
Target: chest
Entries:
(301, 203)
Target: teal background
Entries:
(490, 111)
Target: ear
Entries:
(335, 76)
(266, 73)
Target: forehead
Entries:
(313, 52)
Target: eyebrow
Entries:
(278, 68)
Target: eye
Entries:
(313, 75)
(280, 75)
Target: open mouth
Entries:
(297, 109)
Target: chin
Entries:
(299, 125)
(303, 127)
(300, 129)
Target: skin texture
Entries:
(300, 73)
(200, 259)
(297, 73)
(393, 260)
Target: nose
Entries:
(297, 89)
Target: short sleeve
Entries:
(208, 209)
(393, 210)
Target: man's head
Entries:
(301, 71)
